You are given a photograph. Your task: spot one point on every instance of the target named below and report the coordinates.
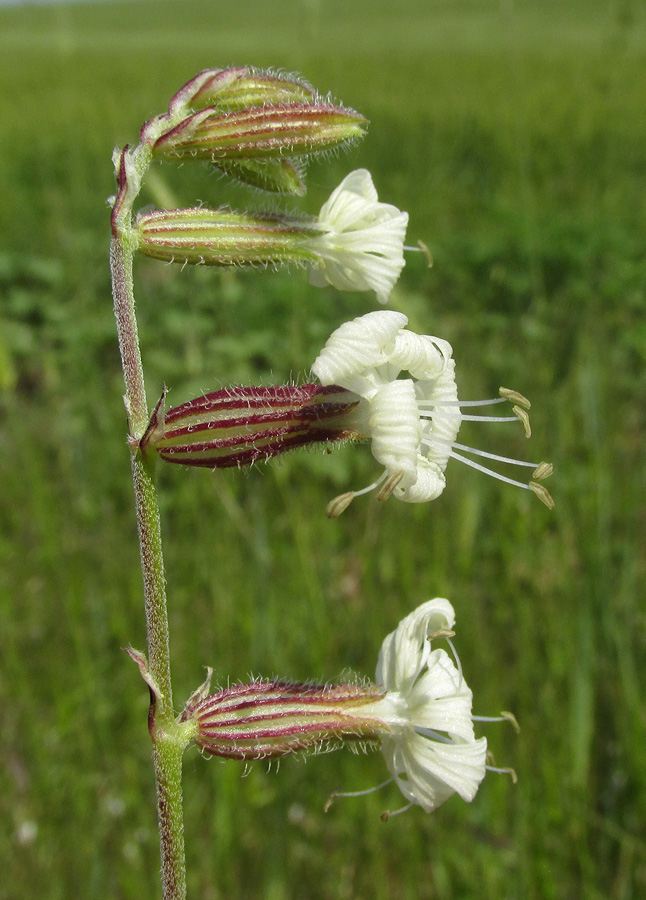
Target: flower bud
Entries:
(260, 132)
(239, 87)
(223, 237)
(239, 426)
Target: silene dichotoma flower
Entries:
(355, 244)
(419, 713)
(409, 408)
(412, 422)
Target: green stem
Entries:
(168, 744)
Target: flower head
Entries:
(410, 409)
(419, 713)
(431, 750)
(361, 247)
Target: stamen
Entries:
(442, 632)
(330, 800)
(497, 458)
(503, 717)
(391, 483)
(339, 504)
(388, 815)
(523, 415)
(461, 403)
(514, 397)
(490, 418)
(543, 470)
(446, 633)
(510, 772)
(427, 253)
(432, 735)
(520, 484)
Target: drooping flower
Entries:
(362, 247)
(418, 712)
(412, 421)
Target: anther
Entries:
(390, 484)
(514, 397)
(339, 504)
(542, 470)
(427, 253)
(511, 718)
(542, 493)
(523, 415)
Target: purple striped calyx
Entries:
(239, 426)
(267, 719)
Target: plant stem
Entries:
(168, 744)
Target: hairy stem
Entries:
(167, 743)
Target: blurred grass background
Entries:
(514, 134)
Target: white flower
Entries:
(412, 421)
(362, 247)
(431, 750)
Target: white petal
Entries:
(428, 772)
(405, 651)
(441, 699)
(395, 428)
(362, 244)
(443, 421)
(428, 485)
(421, 355)
(358, 182)
(361, 261)
(356, 348)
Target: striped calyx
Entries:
(260, 132)
(239, 426)
(224, 237)
(268, 719)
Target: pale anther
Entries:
(514, 397)
(523, 415)
(542, 493)
(339, 504)
(390, 484)
(542, 470)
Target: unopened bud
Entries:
(242, 425)
(259, 132)
(240, 87)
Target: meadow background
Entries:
(513, 132)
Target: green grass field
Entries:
(514, 135)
